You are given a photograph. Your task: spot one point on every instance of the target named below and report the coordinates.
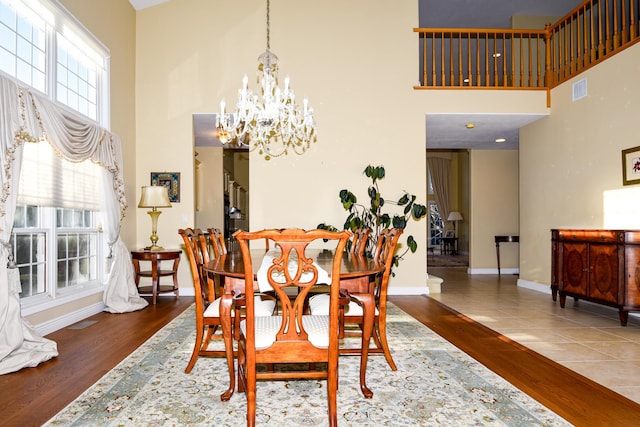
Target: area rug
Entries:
(447, 260)
(435, 385)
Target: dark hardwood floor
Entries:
(33, 395)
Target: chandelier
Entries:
(273, 124)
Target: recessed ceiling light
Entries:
(501, 140)
(466, 80)
(497, 55)
(470, 125)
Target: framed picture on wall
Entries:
(171, 180)
(631, 166)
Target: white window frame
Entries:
(60, 20)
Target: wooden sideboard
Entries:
(601, 266)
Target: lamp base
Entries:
(154, 248)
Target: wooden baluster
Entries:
(623, 15)
(460, 79)
(495, 61)
(530, 58)
(451, 68)
(442, 75)
(478, 81)
(424, 59)
(607, 28)
(632, 13)
(486, 61)
(470, 68)
(592, 33)
(616, 30)
(600, 35)
(548, 76)
(504, 60)
(433, 61)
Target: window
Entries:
(56, 241)
(43, 46)
(436, 225)
(68, 240)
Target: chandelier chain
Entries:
(268, 27)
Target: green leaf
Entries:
(399, 222)
(403, 200)
(419, 211)
(413, 245)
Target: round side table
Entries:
(156, 272)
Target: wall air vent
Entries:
(579, 89)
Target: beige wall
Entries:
(494, 209)
(210, 211)
(570, 162)
(113, 23)
(192, 53)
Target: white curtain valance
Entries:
(26, 117)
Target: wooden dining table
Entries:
(356, 277)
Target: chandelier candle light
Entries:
(273, 124)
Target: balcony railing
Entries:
(527, 59)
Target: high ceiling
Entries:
(449, 131)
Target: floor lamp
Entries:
(154, 197)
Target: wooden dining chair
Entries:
(353, 312)
(359, 241)
(207, 305)
(291, 336)
(217, 241)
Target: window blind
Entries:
(47, 179)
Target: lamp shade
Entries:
(154, 196)
(454, 216)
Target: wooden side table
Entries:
(504, 239)
(155, 273)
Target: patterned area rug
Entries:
(447, 260)
(435, 385)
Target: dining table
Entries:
(357, 274)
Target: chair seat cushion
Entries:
(319, 305)
(264, 306)
(267, 327)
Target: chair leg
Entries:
(382, 326)
(196, 349)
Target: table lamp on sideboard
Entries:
(154, 197)
(455, 217)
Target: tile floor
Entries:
(587, 338)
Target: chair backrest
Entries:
(359, 241)
(292, 268)
(385, 251)
(197, 254)
(217, 241)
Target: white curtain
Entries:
(29, 117)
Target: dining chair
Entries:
(217, 241)
(353, 312)
(207, 304)
(291, 336)
(359, 241)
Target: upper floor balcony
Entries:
(522, 59)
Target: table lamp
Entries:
(154, 197)
(454, 217)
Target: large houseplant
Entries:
(374, 217)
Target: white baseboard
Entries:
(69, 319)
(534, 286)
